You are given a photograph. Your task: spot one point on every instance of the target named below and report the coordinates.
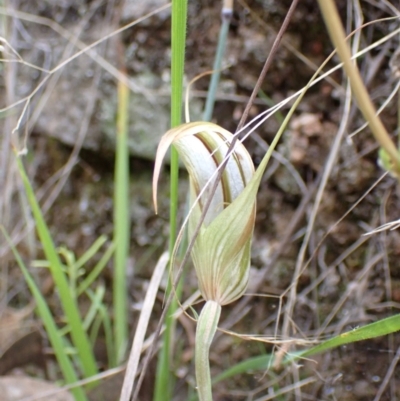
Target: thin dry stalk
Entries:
(388, 376)
(333, 155)
(137, 345)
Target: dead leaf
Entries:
(13, 325)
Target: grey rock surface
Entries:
(78, 102)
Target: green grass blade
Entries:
(91, 251)
(103, 318)
(43, 311)
(261, 362)
(112, 361)
(69, 304)
(84, 285)
(373, 330)
(163, 385)
(94, 329)
(96, 299)
(121, 224)
(212, 90)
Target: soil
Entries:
(347, 279)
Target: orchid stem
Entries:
(206, 328)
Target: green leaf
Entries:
(91, 251)
(373, 330)
(164, 378)
(84, 285)
(55, 338)
(377, 329)
(69, 303)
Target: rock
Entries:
(74, 104)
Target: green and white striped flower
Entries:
(221, 252)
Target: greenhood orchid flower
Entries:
(221, 252)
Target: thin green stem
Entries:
(163, 385)
(121, 224)
(212, 90)
(69, 304)
(206, 328)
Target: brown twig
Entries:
(267, 64)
